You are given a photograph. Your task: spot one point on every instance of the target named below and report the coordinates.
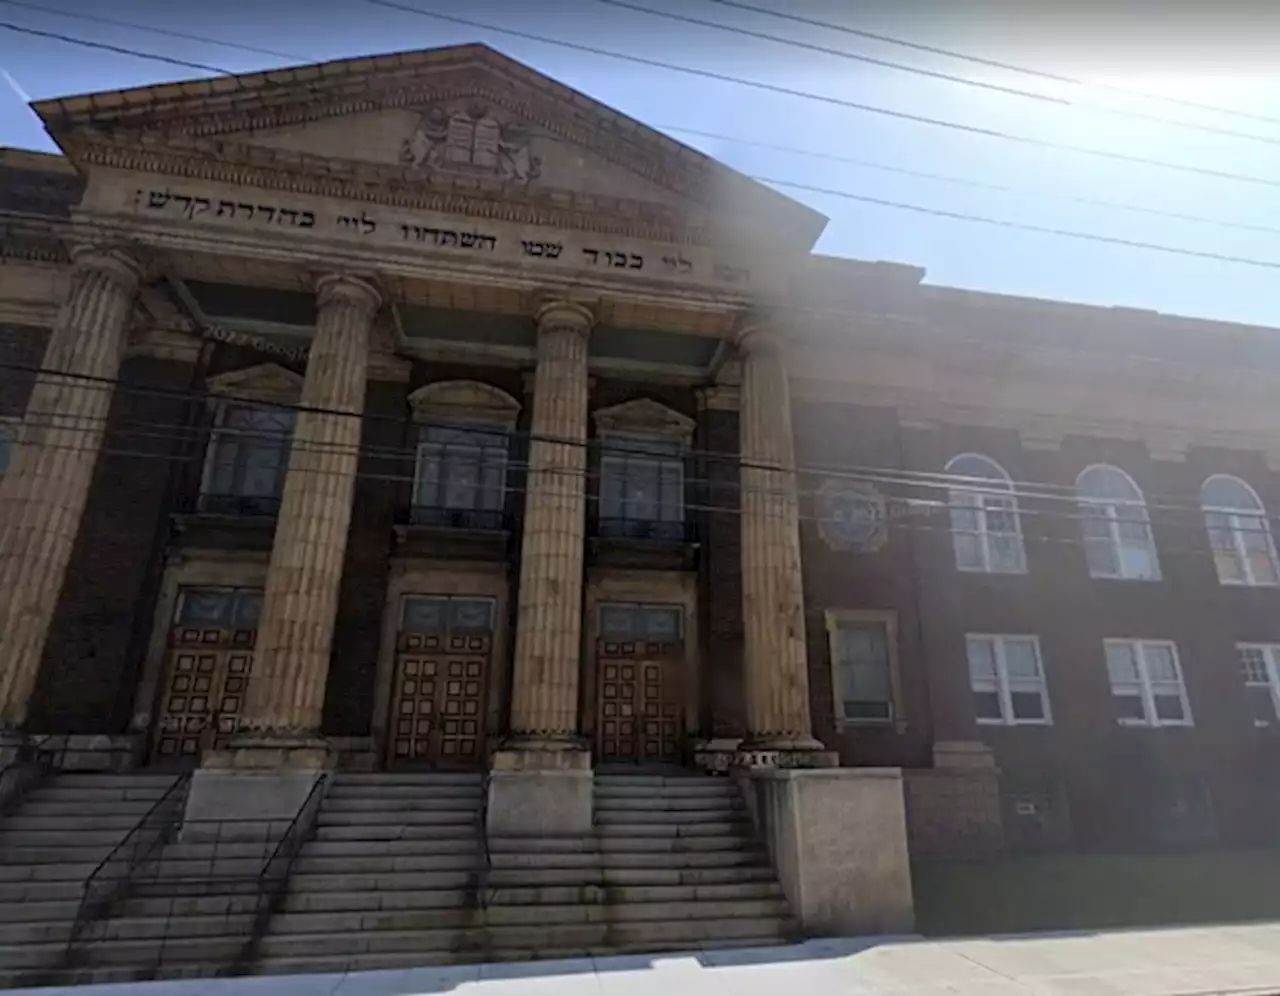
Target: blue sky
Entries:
(1224, 62)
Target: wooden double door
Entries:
(640, 703)
(208, 669)
(444, 653)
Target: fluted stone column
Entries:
(541, 782)
(774, 656)
(291, 663)
(544, 705)
(44, 491)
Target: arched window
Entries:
(1239, 532)
(985, 529)
(1117, 533)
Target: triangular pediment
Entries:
(463, 121)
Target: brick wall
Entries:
(98, 639)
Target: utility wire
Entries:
(849, 195)
(946, 77)
(1066, 233)
(894, 522)
(969, 181)
(115, 48)
(1043, 491)
(996, 63)
(1042, 143)
(134, 26)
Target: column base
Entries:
(535, 793)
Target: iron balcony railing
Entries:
(648, 530)
(232, 506)
(474, 519)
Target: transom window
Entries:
(219, 608)
(1239, 533)
(248, 458)
(629, 622)
(443, 613)
(863, 647)
(1117, 533)
(1007, 680)
(1260, 668)
(985, 526)
(461, 467)
(641, 487)
(1146, 683)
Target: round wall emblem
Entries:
(851, 516)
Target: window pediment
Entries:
(644, 417)
(269, 383)
(464, 400)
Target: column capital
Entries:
(565, 316)
(352, 290)
(757, 338)
(121, 264)
(719, 398)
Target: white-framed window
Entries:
(1007, 680)
(1239, 533)
(1146, 683)
(864, 665)
(1117, 532)
(1260, 669)
(248, 457)
(986, 530)
(461, 467)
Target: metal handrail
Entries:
(277, 870)
(151, 832)
(485, 894)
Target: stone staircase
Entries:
(674, 865)
(391, 879)
(49, 846)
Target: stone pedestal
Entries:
(775, 662)
(280, 720)
(838, 839)
(44, 491)
(540, 793)
(544, 696)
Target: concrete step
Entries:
(41, 890)
(339, 877)
(635, 859)
(610, 817)
(19, 934)
(385, 864)
(424, 832)
(231, 926)
(197, 850)
(88, 820)
(32, 853)
(433, 817)
(34, 806)
(425, 778)
(367, 848)
(130, 953)
(17, 911)
(619, 844)
(557, 895)
(374, 901)
(535, 877)
(113, 779)
(58, 791)
(394, 805)
(448, 790)
(693, 788)
(59, 872)
(635, 912)
(740, 825)
(365, 921)
(669, 804)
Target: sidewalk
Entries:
(1168, 962)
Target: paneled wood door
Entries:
(641, 662)
(438, 704)
(210, 661)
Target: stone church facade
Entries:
(418, 411)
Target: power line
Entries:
(1044, 491)
(970, 182)
(996, 63)
(115, 48)
(916, 208)
(1028, 140)
(1066, 233)
(946, 77)
(134, 26)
